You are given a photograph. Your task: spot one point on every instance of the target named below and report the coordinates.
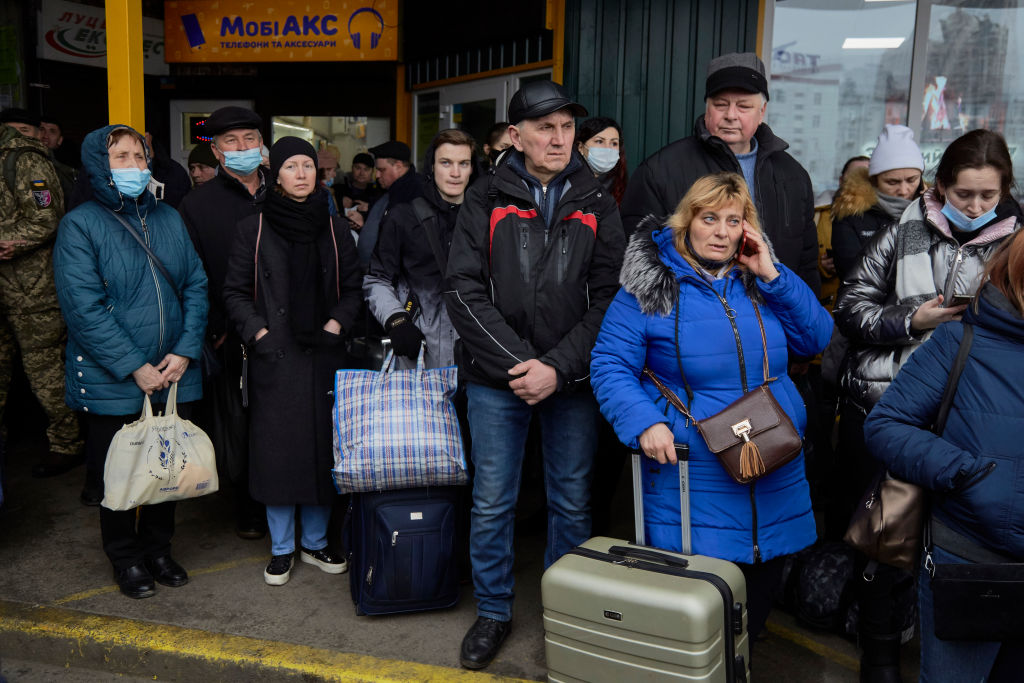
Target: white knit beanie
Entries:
(895, 149)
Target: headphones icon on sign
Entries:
(374, 35)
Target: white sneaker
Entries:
(323, 558)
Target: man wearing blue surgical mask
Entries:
(211, 212)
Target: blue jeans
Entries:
(499, 422)
(281, 523)
(949, 660)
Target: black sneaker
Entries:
(325, 559)
(278, 570)
(482, 642)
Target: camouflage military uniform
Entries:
(30, 319)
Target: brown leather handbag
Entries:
(752, 436)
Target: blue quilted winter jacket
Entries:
(730, 521)
(120, 311)
(977, 465)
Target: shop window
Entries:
(973, 66)
(852, 60)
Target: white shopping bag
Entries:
(158, 458)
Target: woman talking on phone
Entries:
(702, 301)
(911, 277)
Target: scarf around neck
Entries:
(893, 206)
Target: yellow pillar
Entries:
(554, 20)
(125, 86)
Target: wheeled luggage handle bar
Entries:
(649, 555)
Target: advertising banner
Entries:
(69, 32)
(281, 31)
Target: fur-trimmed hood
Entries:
(651, 273)
(856, 195)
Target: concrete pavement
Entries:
(60, 609)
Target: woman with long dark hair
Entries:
(911, 277)
(974, 467)
(292, 290)
(599, 140)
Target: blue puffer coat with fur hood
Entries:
(120, 311)
(664, 301)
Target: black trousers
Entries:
(129, 536)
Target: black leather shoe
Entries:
(167, 572)
(135, 581)
(52, 464)
(251, 529)
(482, 642)
(91, 495)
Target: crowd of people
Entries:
(571, 296)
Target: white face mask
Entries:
(602, 159)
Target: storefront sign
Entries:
(69, 32)
(281, 31)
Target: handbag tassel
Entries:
(751, 463)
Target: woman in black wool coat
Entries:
(292, 290)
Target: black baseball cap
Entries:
(232, 118)
(736, 71)
(363, 158)
(16, 115)
(392, 149)
(540, 98)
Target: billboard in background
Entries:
(281, 31)
(69, 32)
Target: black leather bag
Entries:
(979, 602)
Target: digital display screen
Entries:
(197, 128)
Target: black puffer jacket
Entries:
(522, 289)
(856, 217)
(785, 200)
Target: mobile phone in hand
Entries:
(960, 300)
(747, 247)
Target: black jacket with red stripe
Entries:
(521, 289)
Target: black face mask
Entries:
(494, 154)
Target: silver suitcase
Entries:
(615, 611)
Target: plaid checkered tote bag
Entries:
(396, 429)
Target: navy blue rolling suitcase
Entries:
(402, 549)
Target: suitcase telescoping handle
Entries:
(649, 555)
(683, 456)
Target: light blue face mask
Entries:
(244, 162)
(602, 159)
(131, 182)
(962, 222)
(329, 182)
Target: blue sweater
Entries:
(728, 519)
(984, 426)
(120, 311)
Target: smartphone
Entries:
(747, 249)
(960, 300)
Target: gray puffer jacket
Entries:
(902, 267)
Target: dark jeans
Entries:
(128, 539)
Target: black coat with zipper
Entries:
(290, 385)
(515, 295)
(784, 198)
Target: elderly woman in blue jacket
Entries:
(686, 308)
(128, 334)
(975, 465)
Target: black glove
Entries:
(405, 336)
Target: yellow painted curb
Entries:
(219, 649)
(814, 646)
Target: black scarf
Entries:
(299, 224)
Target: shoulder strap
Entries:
(149, 252)
(954, 378)
(667, 393)
(10, 167)
(424, 214)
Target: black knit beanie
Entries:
(284, 149)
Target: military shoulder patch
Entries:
(41, 193)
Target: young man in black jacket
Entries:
(534, 263)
